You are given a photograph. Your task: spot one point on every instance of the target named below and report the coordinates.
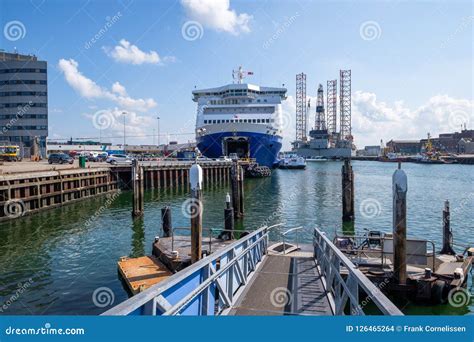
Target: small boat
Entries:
(292, 162)
(316, 159)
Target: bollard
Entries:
(228, 233)
(195, 181)
(235, 188)
(399, 188)
(447, 233)
(138, 193)
(166, 221)
(347, 192)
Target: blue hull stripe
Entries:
(263, 147)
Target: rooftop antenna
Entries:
(239, 74)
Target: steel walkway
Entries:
(284, 285)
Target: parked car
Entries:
(60, 158)
(116, 159)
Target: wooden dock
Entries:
(143, 272)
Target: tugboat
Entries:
(292, 162)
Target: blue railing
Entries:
(207, 288)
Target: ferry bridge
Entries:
(249, 277)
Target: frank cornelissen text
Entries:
(405, 329)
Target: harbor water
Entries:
(53, 262)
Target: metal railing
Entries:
(362, 247)
(208, 287)
(284, 234)
(345, 291)
(207, 237)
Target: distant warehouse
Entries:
(404, 146)
(23, 102)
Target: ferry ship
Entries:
(240, 118)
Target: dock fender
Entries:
(439, 292)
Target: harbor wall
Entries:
(25, 193)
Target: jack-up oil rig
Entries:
(324, 139)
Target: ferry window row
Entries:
(23, 93)
(243, 92)
(239, 120)
(15, 71)
(12, 82)
(234, 101)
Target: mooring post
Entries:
(166, 221)
(399, 188)
(447, 233)
(347, 191)
(235, 188)
(241, 190)
(195, 181)
(228, 219)
(138, 193)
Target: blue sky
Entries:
(411, 61)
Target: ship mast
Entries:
(239, 74)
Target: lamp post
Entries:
(124, 133)
(158, 132)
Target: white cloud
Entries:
(126, 52)
(119, 89)
(373, 119)
(90, 90)
(216, 14)
(111, 122)
(84, 86)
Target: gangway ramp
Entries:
(285, 285)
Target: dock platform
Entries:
(143, 272)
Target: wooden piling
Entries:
(166, 221)
(228, 219)
(447, 233)
(399, 189)
(138, 191)
(347, 192)
(195, 181)
(235, 189)
(241, 191)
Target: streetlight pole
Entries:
(158, 135)
(124, 133)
